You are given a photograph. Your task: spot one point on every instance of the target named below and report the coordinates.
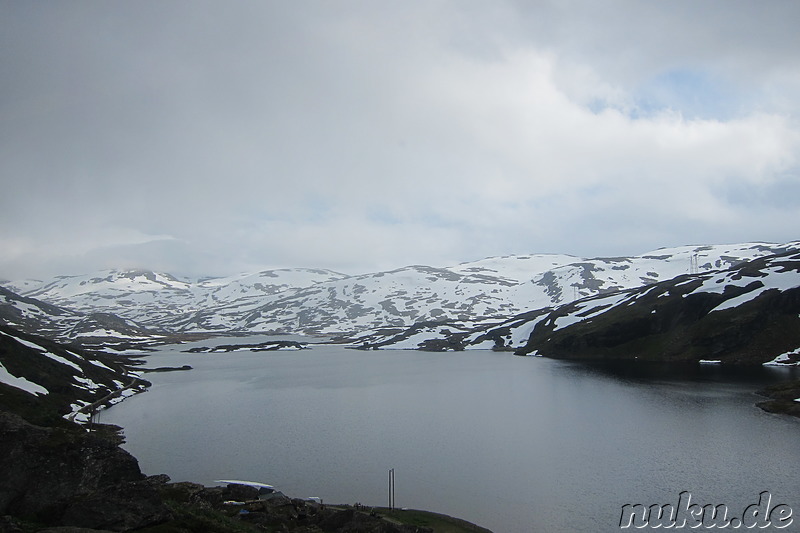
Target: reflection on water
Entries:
(516, 444)
(648, 372)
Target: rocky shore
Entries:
(266, 346)
(72, 480)
(784, 398)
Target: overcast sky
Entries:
(199, 137)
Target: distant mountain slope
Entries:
(609, 274)
(154, 298)
(43, 380)
(66, 325)
(562, 284)
(479, 293)
(31, 315)
(749, 314)
(395, 298)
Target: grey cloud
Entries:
(362, 133)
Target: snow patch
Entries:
(568, 320)
(44, 352)
(86, 382)
(784, 359)
(102, 333)
(488, 344)
(780, 281)
(127, 393)
(248, 483)
(29, 344)
(20, 383)
(75, 413)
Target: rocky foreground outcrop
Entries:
(63, 476)
(73, 480)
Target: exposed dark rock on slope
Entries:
(266, 346)
(746, 315)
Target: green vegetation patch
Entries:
(440, 523)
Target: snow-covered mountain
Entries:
(480, 293)
(154, 298)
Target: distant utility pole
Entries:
(391, 489)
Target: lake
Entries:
(514, 444)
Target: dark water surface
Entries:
(515, 444)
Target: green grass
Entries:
(191, 519)
(438, 522)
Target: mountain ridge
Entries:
(485, 292)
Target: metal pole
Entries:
(391, 489)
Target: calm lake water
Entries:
(515, 444)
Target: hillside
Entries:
(44, 381)
(89, 328)
(749, 314)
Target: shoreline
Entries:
(784, 398)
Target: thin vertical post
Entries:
(391, 489)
